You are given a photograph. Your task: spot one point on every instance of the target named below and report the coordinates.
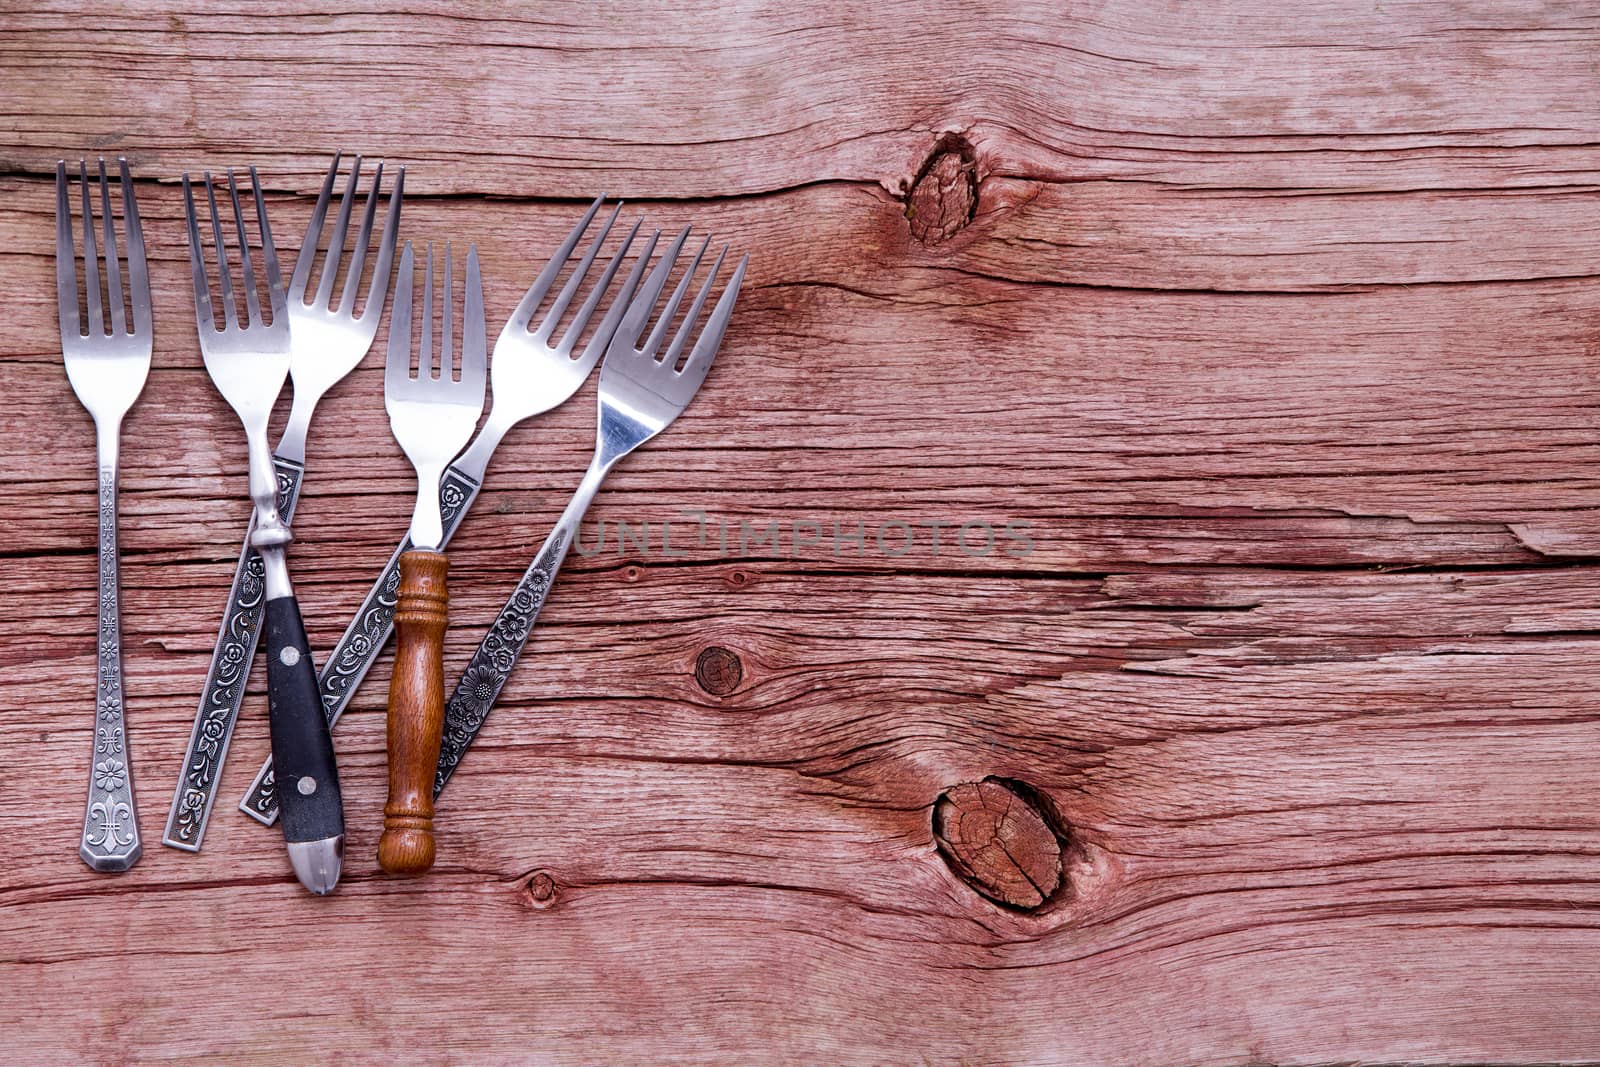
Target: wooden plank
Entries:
(1271, 330)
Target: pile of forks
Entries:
(654, 355)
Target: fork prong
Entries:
(330, 266)
(553, 317)
(639, 310)
(230, 312)
(205, 318)
(446, 340)
(541, 285)
(705, 347)
(308, 247)
(653, 345)
(397, 364)
(66, 258)
(474, 358)
(425, 351)
(391, 229)
(619, 303)
(133, 241)
(358, 254)
(251, 300)
(119, 321)
(269, 252)
(91, 260)
(681, 339)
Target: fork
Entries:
(107, 369)
(248, 360)
(432, 415)
(641, 392)
(325, 344)
(532, 372)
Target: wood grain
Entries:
(1273, 327)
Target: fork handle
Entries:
(416, 712)
(110, 840)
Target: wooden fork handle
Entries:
(416, 712)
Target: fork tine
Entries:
(66, 258)
(568, 291)
(269, 252)
(308, 247)
(705, 348)
(686, 331)
(619, 303)
(330, 266)
(230, 312)
(251, 300)
(660, 331)
(541, 285)
(91, 259)
(205, 318)
(397, 365)
(639, 310)
(446, 341)
(133, 241)
(119, 322)
(391, 229)
(474, 360)
(425, 352)
(358, 254)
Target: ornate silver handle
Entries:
(491, 665)
(363, 639)
(110, 824)
(226, 679)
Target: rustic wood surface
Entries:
(1274, 742)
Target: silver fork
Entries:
(432, 415)
(641, 392)
(325, 344)
(248, 360)
(107, 369)
(532, 371)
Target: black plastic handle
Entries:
(302, 748)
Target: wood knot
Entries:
(539, 890)
(943, 197)
(718, 671)
(1000, 837)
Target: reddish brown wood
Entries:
(1276, 323)
(416, 711)
(1000, 841)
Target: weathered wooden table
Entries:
(1266, 733)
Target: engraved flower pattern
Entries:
(480, 684)
(110, 774)
(110, 706)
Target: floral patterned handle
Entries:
(490, 667)
(363, 639)
(110, 826)
(225, 681)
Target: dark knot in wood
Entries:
(943, 197)
(999, 838)
(540, 890)
(718, 671)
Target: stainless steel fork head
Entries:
(642, 387)
(107, 367)
(329, 339)
(533, 370)
(433, 413)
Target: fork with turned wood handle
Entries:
(248, 361)
(432, 414)
(326, 341)
(642, 390)
(541, 358)
(107, 367)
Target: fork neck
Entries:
(108, 437)
(292, 445)
(474, 460)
